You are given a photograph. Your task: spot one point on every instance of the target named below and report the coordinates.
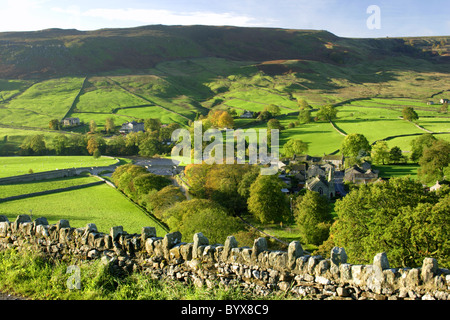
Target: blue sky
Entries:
(346, 18)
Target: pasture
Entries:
(13, 166)
(44, 185)
(43, 101)
(102, 205)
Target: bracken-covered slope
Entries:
(57, 52)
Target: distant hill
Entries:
(58, 52)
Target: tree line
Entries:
(156, 139)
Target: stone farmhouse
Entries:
(70, 122)
(132, 126)
(361, 174)
(247, 114)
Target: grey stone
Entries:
(148, 232)
(63, 223)
(259, 245)
(295, 251)
(380, 261)
(338, 256)
(115, 232)
(199, 240)
(429, 269)
(230, 243)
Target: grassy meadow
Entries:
(44, 185)
(102, 205)
(12, 166)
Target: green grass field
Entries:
(12, 166)
(43, 101)
(44, 185)
(102, 205)
(391, 171)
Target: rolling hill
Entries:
(175, 73)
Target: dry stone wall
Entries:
(255, 268)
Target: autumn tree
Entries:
(93, 144)
(160, 200)
(92, 126)
(225, 120)
(222, 183)
(220, 119)
(109, 125)
(54, 124)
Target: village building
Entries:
(358, 175)
(315, 170)
(70, 122)
(247, 114)
(439, 185)
(132, 126)
(336, 160)
(323, 185)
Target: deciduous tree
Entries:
(313, 216)
(327, 113)
(295, 146)
(353, 144)
(409, 114)
(435, 161)
(380, 152)
(266, 202)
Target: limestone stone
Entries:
(380, 261)
(295, 251)
(259, 245)
(115, 232)
(199, 240)
(429, 269)
(338, 256)
(230, 243)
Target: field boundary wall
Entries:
(255, 268)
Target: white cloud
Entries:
(167, 17)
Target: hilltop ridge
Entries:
(61, 52)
